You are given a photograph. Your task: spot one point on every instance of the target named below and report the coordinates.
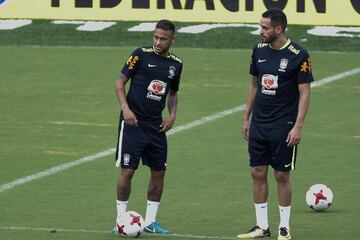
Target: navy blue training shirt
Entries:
(278, 74)
(151, 78)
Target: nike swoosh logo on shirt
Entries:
(151, 65)
(261, 60)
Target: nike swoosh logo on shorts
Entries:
(262, 60)
(151, 65)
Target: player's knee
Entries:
(258, 173)
(127, 174)
(282, 177)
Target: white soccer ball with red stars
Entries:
(319, 197)
(130, 225)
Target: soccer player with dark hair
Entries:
(278, 99)
(155, 76)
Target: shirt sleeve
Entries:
(176, 80)
(133, 63)
(304, 73)
(253, 70)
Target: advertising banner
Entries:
(307, 12)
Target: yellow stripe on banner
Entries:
(321, 12)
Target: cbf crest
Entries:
(172, 70)
(283, 64)
(126, 159)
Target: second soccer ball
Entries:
(319, 197)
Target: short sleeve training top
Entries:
(152, 76)
(278, 74)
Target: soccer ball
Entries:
(130, 225)
(319, 197)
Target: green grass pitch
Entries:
(58, 105)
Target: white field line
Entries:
(336, 77)
(58, 230)
(201, 121)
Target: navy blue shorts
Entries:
(268, 146)
(143, 142)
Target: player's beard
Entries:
(269, 39)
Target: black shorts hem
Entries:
(155, 169)
(258, 164)
(283, 169)
(129, 167)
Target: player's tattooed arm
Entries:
(172, 101)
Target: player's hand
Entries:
(293, 137)
(167, 124)
(129, 117)
(245, 129)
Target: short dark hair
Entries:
(166, 25)
(277, 17)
